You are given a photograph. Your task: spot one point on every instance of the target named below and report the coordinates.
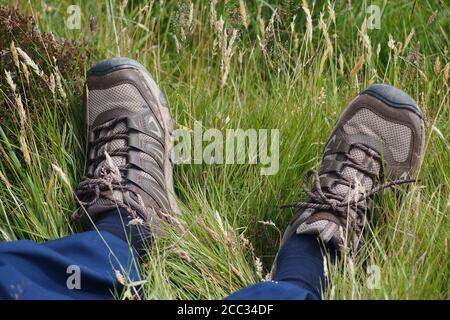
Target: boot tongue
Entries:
(105, 166)
(362, 181)
(108, 168)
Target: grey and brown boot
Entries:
(377, 142)
(129, 139)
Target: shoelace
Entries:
(337, 204)
(91, 187)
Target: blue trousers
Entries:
(95, 265)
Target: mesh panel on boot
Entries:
(122, 96)
(395, 136)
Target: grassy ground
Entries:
(290, 66)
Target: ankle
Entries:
(117, 222)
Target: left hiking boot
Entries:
(129, 131)
(377, 143)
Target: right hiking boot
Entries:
(129, 135)
(378, 142)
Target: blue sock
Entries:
(117, 223)
(300, 262)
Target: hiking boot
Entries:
(129, 132)
(377, 143)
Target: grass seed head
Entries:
(30, 62)
(437, 66)
(14, 54)
(243, 13)
(25, 72)
(24, 148)
(10, 81)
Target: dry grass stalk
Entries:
(227, 48)
(329, 46)
(365, 40)
(309, 26)
(359, 64)
(269, 33)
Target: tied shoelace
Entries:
(337, 204)
(110, 175)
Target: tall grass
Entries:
(281, 65)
